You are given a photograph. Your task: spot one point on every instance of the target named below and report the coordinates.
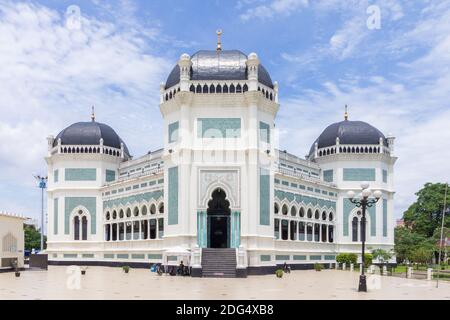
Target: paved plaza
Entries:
(113, 283)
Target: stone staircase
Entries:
(218, 262)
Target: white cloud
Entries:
(273, 9)
(51, 76)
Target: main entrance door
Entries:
(218, 220)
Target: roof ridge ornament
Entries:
(346, 114)
(93, 114)
(219, 45)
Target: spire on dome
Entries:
(346, 114)
(219, 45)
(93, 114)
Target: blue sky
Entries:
(321, 52)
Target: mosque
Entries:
(219, 194)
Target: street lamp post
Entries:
(42, 185)
(364, 202)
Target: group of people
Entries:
(181, 270)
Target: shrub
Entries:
(346, 258)
(352, 258)
(126, 269)
(318, 266)
(279, 273)
(368, 259)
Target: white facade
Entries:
(218, 181)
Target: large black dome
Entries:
(348, 132)
(90, 133)
(219, 65)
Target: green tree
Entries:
(33, 238)
(406, 241)
(423, 254)
(425, 215)
(382, 255)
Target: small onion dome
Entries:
(90, 133)
(348, 132)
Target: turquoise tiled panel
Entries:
(173, 196)
(55, 216)
(137, 256)
(328, 175)
(110, 175)
(264, 197)
(173, 131)
(265, 257)
(71, 203)
(348, 207)
(307, 200)
(55, 176)
(154, 195)
(154, 256)
(315, 257)
(282, 257)
(235, 237)
(108, 256)
(329, 257)
(359, 174)
(385, 174)
(80, 174)
(122, 256)
(264, 132)
(385, 211)
(297, 257)
(219, 128)
(202, 229)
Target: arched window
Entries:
(276, 208)
(293, 211)
(219, 88)
(114, 215)
(324, 215)
(128, 212)
(108, 215)
(309, 213)
(316, 232)
(84, 228)
(120, 214)
(293, 230)
(192, 88)
(136, 211)
(284, 210)
(245, 88)
(301, 231)
(144, 210)
(198, 89)
(324, 233)
(330, 216)
(301, 213)
(161, 207)
(212, 89)
(232, 88)
(355, 229)
(238, 88)
(284, 229)
(76, 228)
(330, 234)
(152, 209)
(317, 215)
(205, 89)
(309, 231)
(225, 88)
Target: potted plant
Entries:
(279, 273)
(318, 266)
(83, 270)
(126, 269)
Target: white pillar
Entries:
(351, 267)
(429, 273)
(385, 273)
(343, 266)
(409, 272)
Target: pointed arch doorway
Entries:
(218, 223)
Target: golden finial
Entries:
(93, 114)
(219, 33)
(346, 113)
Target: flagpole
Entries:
(442, 233)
